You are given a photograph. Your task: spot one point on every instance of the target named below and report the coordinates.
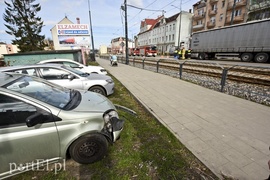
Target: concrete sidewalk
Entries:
(229, 135)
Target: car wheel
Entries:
(98, 89)
(89, 149)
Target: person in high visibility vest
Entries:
(175, 53)
(189, 53)
(179, 53)
(183, 53)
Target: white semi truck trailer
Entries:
(249, 41)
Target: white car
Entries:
(76, 65)
(67, 77)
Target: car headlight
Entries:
(109, 80)
(107, 119)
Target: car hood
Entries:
(94, 76)
(94, 102)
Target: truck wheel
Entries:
(246, 57)
(86, 150)
(261, 57)
(201, 56)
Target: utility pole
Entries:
(233, 9)
(180, 18)
(92, 38)
(126, 31)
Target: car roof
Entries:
(7, 68)
(58, 60)
(6, 78)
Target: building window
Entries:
(221, 17)
(173, 37)
(213, 19)
(214, 7)
(170, 27)
(200, 12)
(199, 22)
(223, 4)
(237, 12)
(173, 26)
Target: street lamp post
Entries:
(92, 38)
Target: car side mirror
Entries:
(35, 119)
(71, 77)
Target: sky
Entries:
(107, 17)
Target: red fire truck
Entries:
(148, 51)
(134, 51)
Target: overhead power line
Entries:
(143, 8)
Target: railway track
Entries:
(237, 73)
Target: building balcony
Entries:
(236, 19)
(213, 1)
(212, 12)
(237, 4)
(199, 16)
(198, 27)
(259, 6)
(211, 24)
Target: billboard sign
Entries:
(72, 29)
(73, 34)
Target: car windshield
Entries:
(78, 72)
(44, 91)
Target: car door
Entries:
(22, 147)
(61, 77)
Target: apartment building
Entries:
(166, 33)
(218, 13)
(118, 45)
(7, 49)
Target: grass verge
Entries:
(146, 150)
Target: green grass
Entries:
(146, 150)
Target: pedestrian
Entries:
(189, 53)
(179, 53)
(175, 54)
(183, 53)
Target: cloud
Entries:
(2, 31)
(47, 23)
(138, 3)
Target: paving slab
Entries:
(230, 135)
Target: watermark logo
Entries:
(38, 165)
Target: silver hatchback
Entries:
(67, 77)
(43, 123)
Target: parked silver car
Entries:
(67, 77)
(42, 123)
(76, 65)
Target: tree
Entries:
(23, 23)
